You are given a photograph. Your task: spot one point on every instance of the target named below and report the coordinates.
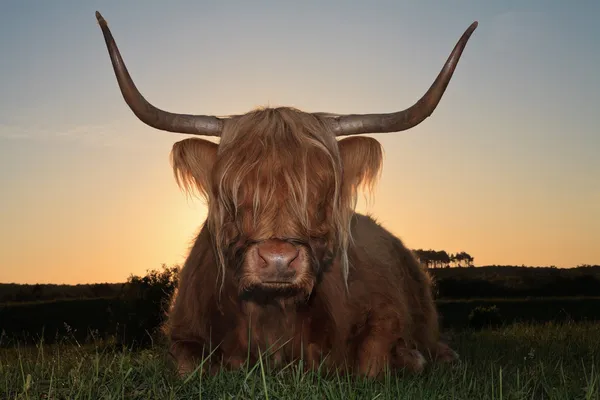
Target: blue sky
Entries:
(507, 168)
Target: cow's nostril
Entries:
(277, 253)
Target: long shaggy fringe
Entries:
(276, 171)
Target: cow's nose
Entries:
(277, 254)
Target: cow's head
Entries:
(279, 186)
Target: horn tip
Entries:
(473, 26)
(100, 18)
(469, 31)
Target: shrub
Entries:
(483, 317)
(143, 305)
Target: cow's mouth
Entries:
(277, 284)
(267, 292)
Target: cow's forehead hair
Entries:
(276, 146)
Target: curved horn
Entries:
(146, 112)
(406, 119)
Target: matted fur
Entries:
(281, 173)
(285, 154)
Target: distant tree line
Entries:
(560, 286)
(443, 259)
(133, 318)
(13, 292)
(483, 281)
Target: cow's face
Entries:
(280, 191)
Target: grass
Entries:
(520, 361)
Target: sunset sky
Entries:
(507, 168)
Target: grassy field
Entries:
(516, 362)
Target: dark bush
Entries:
(133, 318)
(143, 305)
(485, 317)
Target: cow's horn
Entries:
(406, 119)
(146, 112)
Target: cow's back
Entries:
(385, 273)
(373, 245)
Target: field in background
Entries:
(530, 333)
(467, 297)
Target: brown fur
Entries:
(362, 299)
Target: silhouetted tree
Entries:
(433, 258)
(442, 259)
(463, 258)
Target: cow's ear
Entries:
(362, 158)
(192, 161)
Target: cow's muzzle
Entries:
(278, 262)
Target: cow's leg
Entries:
(426, 326)
(312, 357)
(441, 352)
(187, 355)
(387, 326)
(408, 359)
(374, 355)
(190, 353)
(428, 336)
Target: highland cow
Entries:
(283, 266)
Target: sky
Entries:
(507, 168)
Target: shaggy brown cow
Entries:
(282, 259)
